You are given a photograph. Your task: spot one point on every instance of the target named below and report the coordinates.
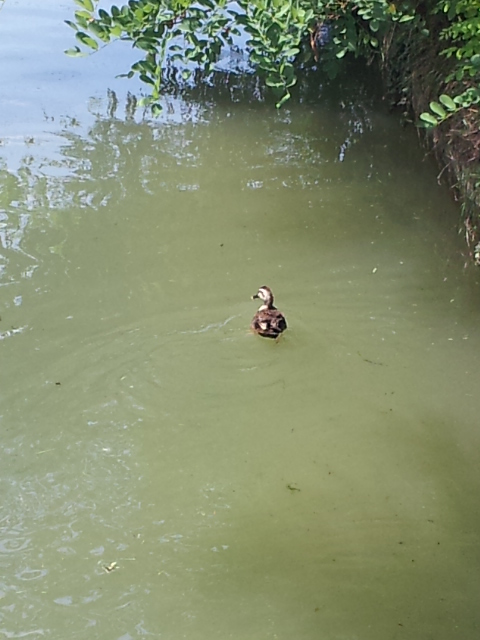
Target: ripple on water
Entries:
(12, 545)
(28, 574)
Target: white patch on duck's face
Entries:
(265, 294)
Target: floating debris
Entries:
(292, 487)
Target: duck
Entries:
(268, 322)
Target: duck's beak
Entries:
(255, 296)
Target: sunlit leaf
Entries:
(448, 102)
(83, 14)
(85, 4)
(438, 109)
(429, 119)
(282, 101)
(273, 81)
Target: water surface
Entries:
(164, 472)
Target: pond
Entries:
(165, 472)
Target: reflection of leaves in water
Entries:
(91, 167)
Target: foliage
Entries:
(187, 33)
(278, 36)
(462, 36)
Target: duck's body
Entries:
(268, 322)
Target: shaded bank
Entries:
(415, 73)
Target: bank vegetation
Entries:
(428, 51)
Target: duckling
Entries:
(268, 322)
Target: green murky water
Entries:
(164, 472)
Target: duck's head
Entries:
(266, 295)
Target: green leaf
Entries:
(75, 53)
(438, 109)
(146, 79)
(429, 119)
(85, 4)
(156, 109)
(273, 81)
(103, 15)
(71, 24)
(282, 100)
(83, 14)
(146, 44)
(86, 40)
(406, 18)
(448, 102)
(475, 60)
(99, 31)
